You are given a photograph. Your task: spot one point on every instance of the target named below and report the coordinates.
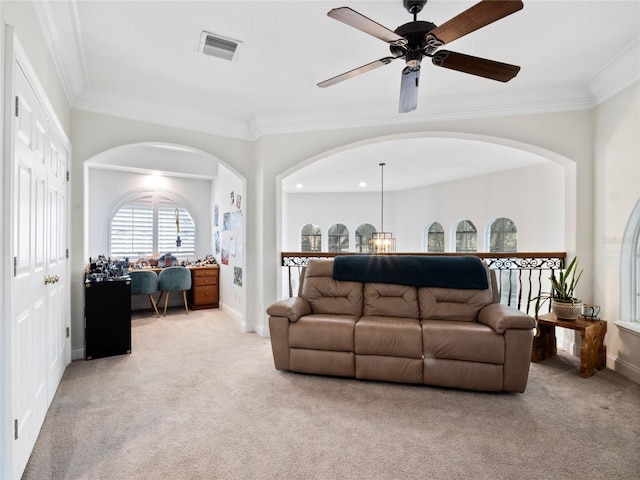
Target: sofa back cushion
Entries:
(327, 295)
(387, 300)
(454, 304)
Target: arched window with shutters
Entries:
(363, 237)
(338, 238)
(310, 238)
(148, 224)
(434, 238)
(466, 237)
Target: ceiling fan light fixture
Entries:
(218, 46)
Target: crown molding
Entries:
(622, 71)
(60, 20)
(547, 99)
(178, 116)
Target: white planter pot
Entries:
(566, 310)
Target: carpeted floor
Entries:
(197, 399)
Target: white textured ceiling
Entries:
(140, 59)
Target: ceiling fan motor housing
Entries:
(413, 7)
(416, 47)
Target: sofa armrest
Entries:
(292, 308)
(502, 317)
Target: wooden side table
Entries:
(593, 352)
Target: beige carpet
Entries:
(197, 399)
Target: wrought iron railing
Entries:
(521, 277)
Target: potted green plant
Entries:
(563, 301)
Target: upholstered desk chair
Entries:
(174, 279)
(145, 282)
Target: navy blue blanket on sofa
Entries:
(463, 272)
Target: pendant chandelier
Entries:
(382, 242)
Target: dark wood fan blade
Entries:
(409, 89)
(366, 25)
(478, 16)
(356, 71)
(503, 72)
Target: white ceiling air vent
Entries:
(218, 46)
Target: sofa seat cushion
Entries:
(452, 304)
(388, 300)
(468, 341)
(389, 336)
(323, 332)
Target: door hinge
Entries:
(17, 106)
(67, 253)
(67, 175)
(15, 266)
(15, 429)
(68, 332)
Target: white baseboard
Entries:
(245, 327)
(77, 354)
(624, 368)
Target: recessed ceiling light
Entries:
(298, 185)
(363, 184)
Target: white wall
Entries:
(617, 192)
(107, 188)
(539, 217)
(230, 242)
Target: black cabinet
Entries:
(107, 318)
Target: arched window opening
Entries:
(363, 237)
(503, 236)
(338, 238)
(151, 224)
(434, 239)
(311, 238)
(466, 237)
(630, 274)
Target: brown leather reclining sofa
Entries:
(447, 336)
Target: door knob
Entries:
(47, 279)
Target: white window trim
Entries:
(630, 275)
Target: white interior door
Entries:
(55, 238)
(39, 302)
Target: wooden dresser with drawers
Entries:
(205, 287)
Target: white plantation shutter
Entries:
(168, 232)
(132, 229)
(147, 225)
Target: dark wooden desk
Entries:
(205, 286)
(593, 352)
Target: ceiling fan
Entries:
(418, 39)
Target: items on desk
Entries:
(102, 269)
